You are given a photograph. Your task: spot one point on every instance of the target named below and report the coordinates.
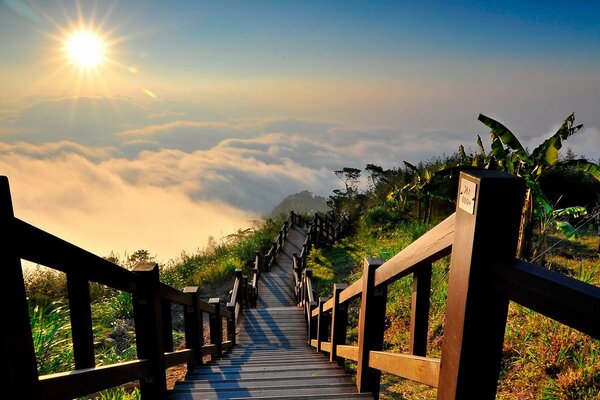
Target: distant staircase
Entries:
(272, 359)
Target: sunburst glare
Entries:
(85, 49)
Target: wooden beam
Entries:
(488, 212)
(432, 246)
(194, 327)
(347, 352)
(216, 326)
(78, 383)
(564, 299)
(18, 366)
(178, 357)
(149, 340)
(419, 319)
(352, 291)
(80, 310)
(371, 324)
(419, 369)
(339, 322)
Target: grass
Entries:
(112, 311)
(542, 359)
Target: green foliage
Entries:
(51, 332)
(512, 157)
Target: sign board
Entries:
(466, 198)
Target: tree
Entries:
(347, 200)
(510, 155)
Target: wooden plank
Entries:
(339, 322)
(209, 349)
(328, 305)
(206, 307)
(419, 319)
(175, 296)
(315, 312)
(371, 324)
(68, 385)
(313, 343)
(40, 247)
(347, 352)
(477, 307)
(432, 246)
(419, 369)
(80, 311)
(178, 357)
(352, 292)
(18, 366)
(326, 347)
(564, 299)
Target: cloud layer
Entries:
(113, 174)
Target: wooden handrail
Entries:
(484, 277)
(152, 307)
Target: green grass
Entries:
(542, 359)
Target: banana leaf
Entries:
(506, 136)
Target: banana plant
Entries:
(510, 155)
(424, 185)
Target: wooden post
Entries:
(322, 324)
(80, 311)
(371, 324)
(339, 322)
(246, 303)
(488, 212)
(419, 319)
(167, 325)
(148, 331)
(304, 255)
(18, 367)
(216, 327)
(194, 328)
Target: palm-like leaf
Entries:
(583, 165)
(546, 154)
(506, 136)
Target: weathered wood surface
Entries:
(271, 358)
(275, 285)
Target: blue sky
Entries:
(223, 108)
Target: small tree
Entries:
(510, 155)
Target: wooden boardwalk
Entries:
(271, 359)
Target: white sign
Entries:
(466, 197)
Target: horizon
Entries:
(222, 110)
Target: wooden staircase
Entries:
(271, 359)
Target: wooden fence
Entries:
(485, 276)
(152, 316)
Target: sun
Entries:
(85, 49)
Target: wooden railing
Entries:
(484, 277)
(152, 316)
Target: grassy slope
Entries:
(112, 312)
(542, 359)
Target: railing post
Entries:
(18, 366)
(216, 326)
(322, 324)
(304, 254)
(80, 310)
(167, 325)
(371, 324)
(419, 319)
(194, 327)
(245, 292)
(148, 331)
(339, 322)
(488, 213)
